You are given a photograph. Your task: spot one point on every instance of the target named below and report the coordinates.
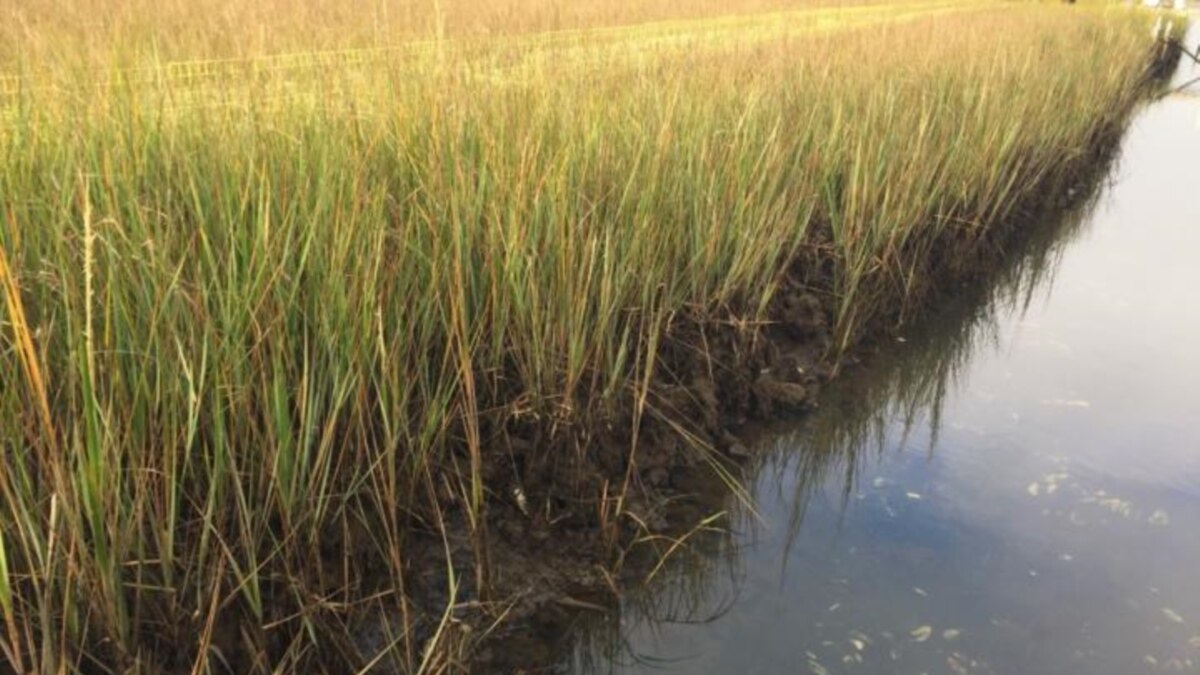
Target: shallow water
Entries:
(1014, 488)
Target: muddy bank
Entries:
(571, 512)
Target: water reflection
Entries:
(1014, 488)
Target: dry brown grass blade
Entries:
(23, 338)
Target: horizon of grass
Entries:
(104, 33)
(257, 330)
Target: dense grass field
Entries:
(270, 271)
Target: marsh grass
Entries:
(258, 329)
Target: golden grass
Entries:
(49, 31)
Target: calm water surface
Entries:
(1015, 488)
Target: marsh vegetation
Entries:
(279, 281)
